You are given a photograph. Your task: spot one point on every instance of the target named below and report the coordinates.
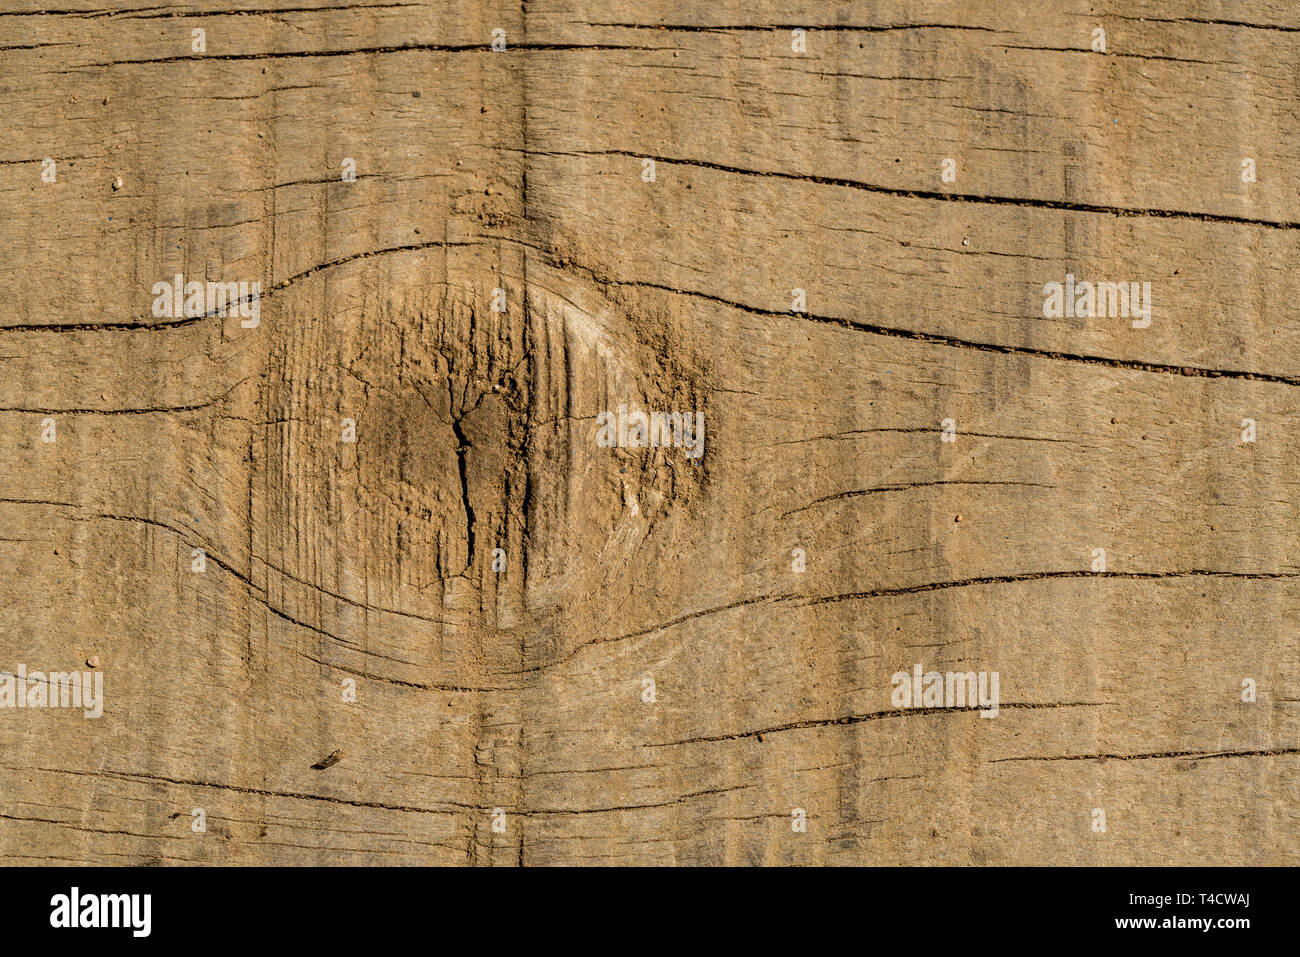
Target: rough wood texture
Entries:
(476, 430)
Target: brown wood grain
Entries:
(522, 691)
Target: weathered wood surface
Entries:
(523, 691)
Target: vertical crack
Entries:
(463, 446)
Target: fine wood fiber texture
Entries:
(366, 585)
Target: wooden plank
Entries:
(645, 672)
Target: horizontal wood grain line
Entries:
(853, 719)
(370, 51)
(1155, 755)
(947, 197)
(801, 601)
(1136, 365)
